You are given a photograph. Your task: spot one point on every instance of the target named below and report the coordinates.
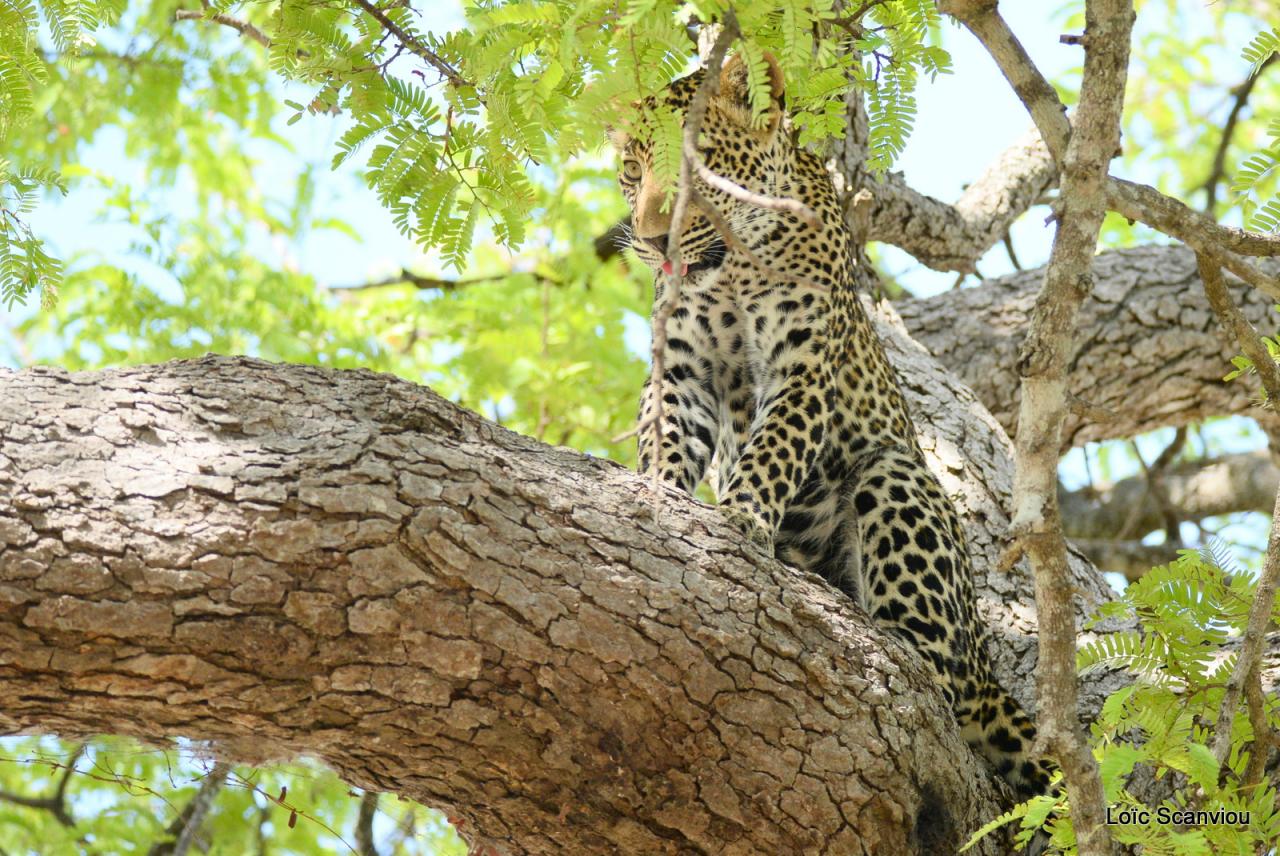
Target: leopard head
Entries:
(733, 143)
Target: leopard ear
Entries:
(733, 81)
(619, 139)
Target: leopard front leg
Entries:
(690, 401)
(793, 386)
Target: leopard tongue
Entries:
(666, 268)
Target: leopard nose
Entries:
(658, 242)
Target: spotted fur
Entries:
(787, 389)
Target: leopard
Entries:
(777, 390)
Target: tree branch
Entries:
(1134, 201)
(413, 45)
(1196, 490)
(244, 28)
(1235, 326)
(345, 565)
(56, 803)
(186, 826)
(1150, 353)
(1050, 345)
(667, 292)
(1130, 558)
(364, 824)
(1241, 93)
(953, 237)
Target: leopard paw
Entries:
(749, 525)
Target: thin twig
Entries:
(192, 817)
(421, 281)
(413, 45)
(56, 803)
(721, 225)
(1008, 247)
(759, 200)
(244, 28)
(1242, 93)
(671, 293)
(1236, 326)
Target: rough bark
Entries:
(1150, 353)
(285, 560)
(953, 237)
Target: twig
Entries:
(671, 294)
(1154, 475)
(1043, 362)
(56, 803)
(721, 224)
(1242, 93)
(607, 245)
(1013, 257)
(244, 28)
(192, 818)
(759, 200)
(1238, 327)
(364, 824)
(420, 281)
(413, 45)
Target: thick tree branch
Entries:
(1150, 353)
(953, 237)
(1196, 489)
(341, 564)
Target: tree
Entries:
(225, 550)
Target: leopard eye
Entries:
(631, 170)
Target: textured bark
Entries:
(284, 560)
(953, 237)
(1150, 353)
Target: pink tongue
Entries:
(666, 268)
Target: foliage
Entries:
(523, 83)
(1260, 209)
(1183, 616)
(1242, 365)
(123, 798)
